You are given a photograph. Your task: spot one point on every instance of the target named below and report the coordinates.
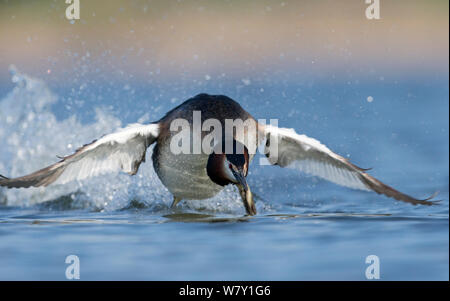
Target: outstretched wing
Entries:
(123, 150)
(286, 148)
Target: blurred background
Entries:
(131, 45)
(375, 91)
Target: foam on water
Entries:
(32, 137)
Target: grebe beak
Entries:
(245, 192)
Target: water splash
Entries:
(32, 137)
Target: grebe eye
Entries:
(229, 165)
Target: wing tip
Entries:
(428, 201)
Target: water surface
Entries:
(122, 228)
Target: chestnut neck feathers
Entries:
(216, 162)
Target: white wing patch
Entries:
(286, 148)
(123, 150)
(312, 157)
(330, 173)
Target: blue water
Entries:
(122, 228)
